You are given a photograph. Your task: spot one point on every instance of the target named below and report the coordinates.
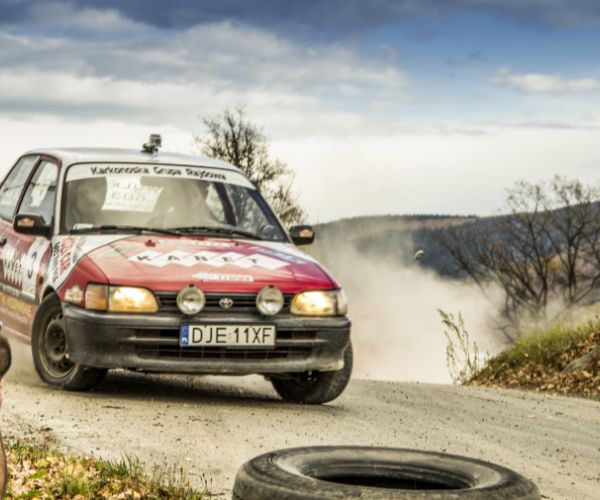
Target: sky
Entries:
(380, 107)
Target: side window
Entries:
(41, 191)
(11, 188)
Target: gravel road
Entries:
(210, 425)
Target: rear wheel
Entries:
(51, 354)
(315, 387)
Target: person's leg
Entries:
(5, 360)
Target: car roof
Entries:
(69, 156)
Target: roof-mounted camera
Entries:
(153, 144)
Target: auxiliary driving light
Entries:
(269, 300)
(190, 300)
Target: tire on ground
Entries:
(319, 387)
(74, 377)
(338, 472)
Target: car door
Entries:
(38, 199)
(13, 313)
(25, 257)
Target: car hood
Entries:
(213, 264)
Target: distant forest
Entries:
(394, 238)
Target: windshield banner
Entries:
(90, 171)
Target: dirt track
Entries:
(211, 425)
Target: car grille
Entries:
(242, 302)
(170, 349)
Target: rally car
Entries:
(163, 263)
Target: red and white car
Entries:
(163, 263)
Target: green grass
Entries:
(546, 347)
(538, 362)
(38, 471)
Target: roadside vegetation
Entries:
(462, 354)
(543, 256)
(38, 471)
(561, 359)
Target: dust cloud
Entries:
(397, 332)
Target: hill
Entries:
(393, 239)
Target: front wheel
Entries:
(315, 387)
(50, 351)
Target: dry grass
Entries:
(38, 471)
(537, 362)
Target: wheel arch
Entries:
(47, 291)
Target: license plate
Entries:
(227, 335)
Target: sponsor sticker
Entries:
(31, 265)
(15, 308)
(12, 265)
(68, 250)
(280, 255)
(176, 242)
(223, 277)
(21, 270)
(74, 294)
(209, 174)
(206, 257)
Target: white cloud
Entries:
(176, 76)
(331, 112)
(431, 172)
(538, 83)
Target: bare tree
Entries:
(546, 247)
(233, 138)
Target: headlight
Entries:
(120, 299)
(320, 303)
(191, 300)
(269, 300)
(131, 299)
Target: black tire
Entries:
(50, 351)
(5, 356)
(315, 387)
(375, 473)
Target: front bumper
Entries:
(151, 343)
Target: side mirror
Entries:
(302, 235)
(32, 224)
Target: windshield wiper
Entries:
(217, 230)
(115, 227)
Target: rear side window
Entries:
(11, 188)
(41, 191)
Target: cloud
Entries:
(327, 18)
(538, 83)
(175, 76)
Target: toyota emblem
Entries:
(226, 303)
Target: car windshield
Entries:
(186, 200)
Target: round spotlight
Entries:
(269, 300)
(190, 300)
